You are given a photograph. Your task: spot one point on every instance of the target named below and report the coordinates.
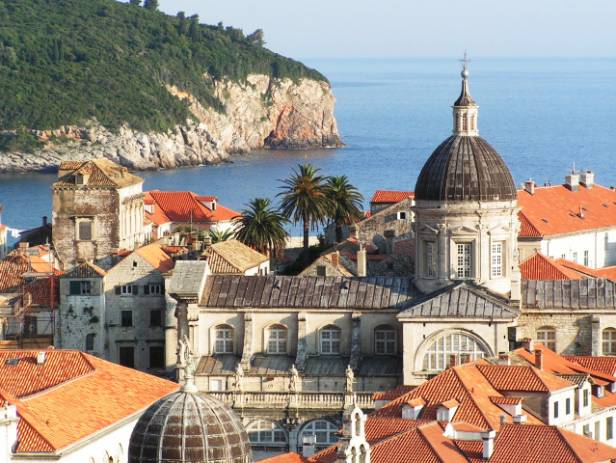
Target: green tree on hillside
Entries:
(135, 2)
(305, 200)
(194, 30)
(150, 5)
(257, 38)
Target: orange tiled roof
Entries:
(291, 457)
(548, 444)
(156, 257)
(582, 270)
(392, 393)
(390, 196)
(555, 210)
(102, 173)
(521, 378)
(72, 396)
(540, 267)
(186, 207)
(605, 365)
(607, 272)
(12, 267)
(468, 386)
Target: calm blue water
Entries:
(541, 115)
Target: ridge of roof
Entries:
(541, 267)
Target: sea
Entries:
(544, 116)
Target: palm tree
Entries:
(346, 203)
(261, 226)
(220, 235)
(304, 199)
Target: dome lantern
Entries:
(465, 110)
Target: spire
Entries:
(465, 109)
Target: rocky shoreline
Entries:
(260, 113)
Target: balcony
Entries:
(301, 400)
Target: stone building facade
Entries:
(117, 314)
(97, 210)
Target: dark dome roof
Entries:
(187, 428)
(465, 168)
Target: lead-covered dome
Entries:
(188, 428)
(465, 168)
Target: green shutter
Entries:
(75, 287)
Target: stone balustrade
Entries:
(301, 400)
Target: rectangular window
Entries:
(586, 430)
(463, 269)
(555, 409)
(597, 435)
(157, 357)
(80, 288)
(224, 341)
(127, 356)
(496, 267)
(609, 428)
(385, 342)
(402, 215)
(585, 395)
(84, 230)
(156, 318)
(568, 406)
(430, 258)
(574, 257)
(127, 290)
(127, 318)
(153, 289)
(586, 258)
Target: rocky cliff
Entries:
(261, 112)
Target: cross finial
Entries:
(465, 60)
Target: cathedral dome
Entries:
(188, 428)
(465, 168)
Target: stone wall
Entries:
(259, 113)
(381, 228)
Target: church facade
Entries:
(289, 353)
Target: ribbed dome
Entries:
(187, 428)
(465, 168)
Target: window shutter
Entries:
(75, 287)
(135, 290)
(118, 290)
(146, 289)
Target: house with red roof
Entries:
(117, 312)
(69, 406)
(382, 199)
(168, 210)
(574, 221)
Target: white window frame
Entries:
(429, 258)
(126, 290)
(155, 289)
(586, 257)
(436, 356)
(385, 340)
(496, 259)
(324, 431)
(464, 260)
(329, 340)
(223, 339)
(546, 335)
(608, 341)
(277, 339)
(265, 432)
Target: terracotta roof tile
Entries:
(390, 196)
(72, 395)
(519, 378)
(540, 267)
(605, 365)
(186, 207)
(156, 257)
(102, 173)
(555, 210)
(392, 393)
(552, 445)
(291, 457)
(232, 257)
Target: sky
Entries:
(419, 28)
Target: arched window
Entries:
(330, 340)
(277, 339)
(546, 335)
(385, 342)
(609, 341)
(264, 432)
(357, 424)
(324, 432)
(456, 343)
(223, 339)
(363, 453)
(90, 342)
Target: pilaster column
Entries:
(355, 340)
(300, 358)
(443, 253)
(248, 335)
(595, 336)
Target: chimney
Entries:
(487, 438)
(539, 359)
(362, 264)
(40, 358)
(587, 179)
(529, 186)
(44, 221)
(447, 410)
(572, 181)
(519, 419)
(528, 344)
(309, 442)
(503, 359)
